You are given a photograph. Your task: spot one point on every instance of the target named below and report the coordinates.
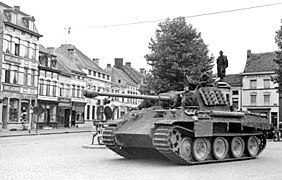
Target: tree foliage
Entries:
(278, 60)
(176, 50)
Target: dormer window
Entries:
(119, 81)
(54, 62)
(29, 22)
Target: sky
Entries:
(234, 33)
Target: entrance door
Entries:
(4, 117)
(67, 118)
(48, 117)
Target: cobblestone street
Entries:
(61, 156)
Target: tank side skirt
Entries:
(162, 144)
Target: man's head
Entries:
(221, 53)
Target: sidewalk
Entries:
(4, 133)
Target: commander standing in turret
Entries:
(222, 64)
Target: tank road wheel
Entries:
(186, 148)
(253, 146)
(201, 149)
(175, 139)
(220, 148)
(237, 147)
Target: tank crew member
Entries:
(205, 78)
(188, 98)
(222, 64)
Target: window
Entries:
(48, 88)
(88, 112)
(73, 91)
(25, 76)
(108, 77)
(54, 88)
(266, 98)
(8, 74)
(235, 102)
(15, 75)
(82, 89)
(7, 43)
(33, 51)
(235, 92)
(41, 87)
(32, 79)
(13, 109)
(26, 53)
(99, 75)
(68, 91)
(266, 83)
(78, 92)
(89, 72)
(61, 89)
(93, 112)
(253, 99)
(17, 47)
(94, 73)
(103, 76)
(253, 84)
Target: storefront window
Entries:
(14, 104)
(53, 113)
(79, 116)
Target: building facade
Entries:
(259, 93)
(19, 67)
(235, 81)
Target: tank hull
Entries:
(163, 133)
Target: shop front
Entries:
(17, 111)
(64, 112)
(77, 114)
(48, 119)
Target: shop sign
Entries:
(65, 100)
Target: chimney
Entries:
(108, 65)
(249, 52)
(17, 8)
(51, 50)
(118, 63)
(128, 64)
(142, 71)
(96, 60)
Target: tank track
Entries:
(162, 143)
(109, 141)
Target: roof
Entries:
(233, 79)
(81, 60)
(67, 63)
(43, 49)
(20, 18)
(133, 73)
(117, 74)
(261, 62)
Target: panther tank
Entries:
(207, 132)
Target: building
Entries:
(259, 93)
(19, 67)
(235, 81)
(124, 81)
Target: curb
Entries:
(43, 133)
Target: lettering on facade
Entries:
(11, 88)
(64, 102)
(12, 59)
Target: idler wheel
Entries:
(253, 146)
(186, 148)
(201, 149)
(175, 140)
(237, 147)
(220, 148)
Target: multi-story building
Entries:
(259, 93)
(123, 83)
(19, 66)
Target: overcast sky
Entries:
(233, 33)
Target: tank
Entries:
(207, 131)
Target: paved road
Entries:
(61, 156)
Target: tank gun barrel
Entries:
(93, 94)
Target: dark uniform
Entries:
(222, 64)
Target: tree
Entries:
(278, 60)
(177, 49)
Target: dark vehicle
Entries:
(203, 133)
